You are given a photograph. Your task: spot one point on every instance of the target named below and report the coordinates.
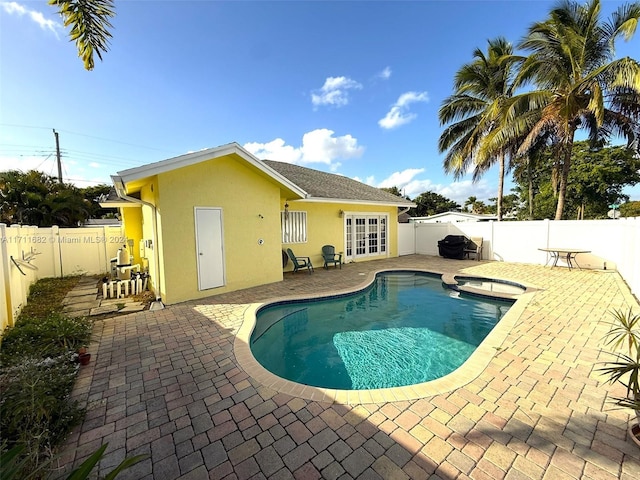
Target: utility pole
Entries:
(58, 156)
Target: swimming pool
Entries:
(405, 328)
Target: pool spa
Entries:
(406, 328)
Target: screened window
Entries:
(294, 227)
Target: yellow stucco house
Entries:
(218, 220)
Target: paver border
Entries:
(467, 372)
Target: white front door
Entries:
(209, 247)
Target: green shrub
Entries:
(51, 336)
(35, 409)
(37, 373)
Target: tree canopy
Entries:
(430, 203)
(597, 179)
(35, 198)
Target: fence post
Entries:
(6, 318)
(57, 259)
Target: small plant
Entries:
(35, 409)
(625, 369)
(12, 464)
(625, 330)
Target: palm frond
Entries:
(90, 24)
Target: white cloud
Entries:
(399, 113)
(14, 8)
(385, 74)
(461, 191)
(26, 163)
(275, 150)
(334, 92)
(411, 186)
(400, 178)
(95, 165)
(318, 146)
(369, 180)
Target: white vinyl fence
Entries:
(28, 254)
(614, 244)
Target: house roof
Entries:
(300, 182)
(323, 186)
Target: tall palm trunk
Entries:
(500, 186)
(530, 180)
(564, 177)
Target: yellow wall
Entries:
(151, 222)
(250, 212)
(132, 221)
(325, 226)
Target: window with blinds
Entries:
(294, 227)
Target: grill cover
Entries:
(452, 246)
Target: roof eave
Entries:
(357, 202)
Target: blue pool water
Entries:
(406, 328)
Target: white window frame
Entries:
(294, 226)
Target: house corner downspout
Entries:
(121, 192)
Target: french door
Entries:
(365, 235)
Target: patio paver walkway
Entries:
(166, 383)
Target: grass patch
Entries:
(37, 373)
(46, 296)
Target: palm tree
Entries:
(476, 109)
(579, 84)
(89, 20)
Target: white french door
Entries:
(365, 235)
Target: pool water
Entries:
(406, 328)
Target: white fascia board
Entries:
(355, 202)
(151, 169)
(188, 159)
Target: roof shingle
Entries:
(331, 186)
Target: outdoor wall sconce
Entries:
(286, 210)
(341, 213)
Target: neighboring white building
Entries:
(99, 222)
(453, 217)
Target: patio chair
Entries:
(329, 256)
(299, 262)
(474, 247)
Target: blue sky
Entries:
(348, 87)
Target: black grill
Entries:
(452, 246)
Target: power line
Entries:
(47, 158)
(90, 136)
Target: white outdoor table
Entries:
(568, 254)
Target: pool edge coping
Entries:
(468, 371)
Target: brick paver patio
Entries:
(167, 384)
